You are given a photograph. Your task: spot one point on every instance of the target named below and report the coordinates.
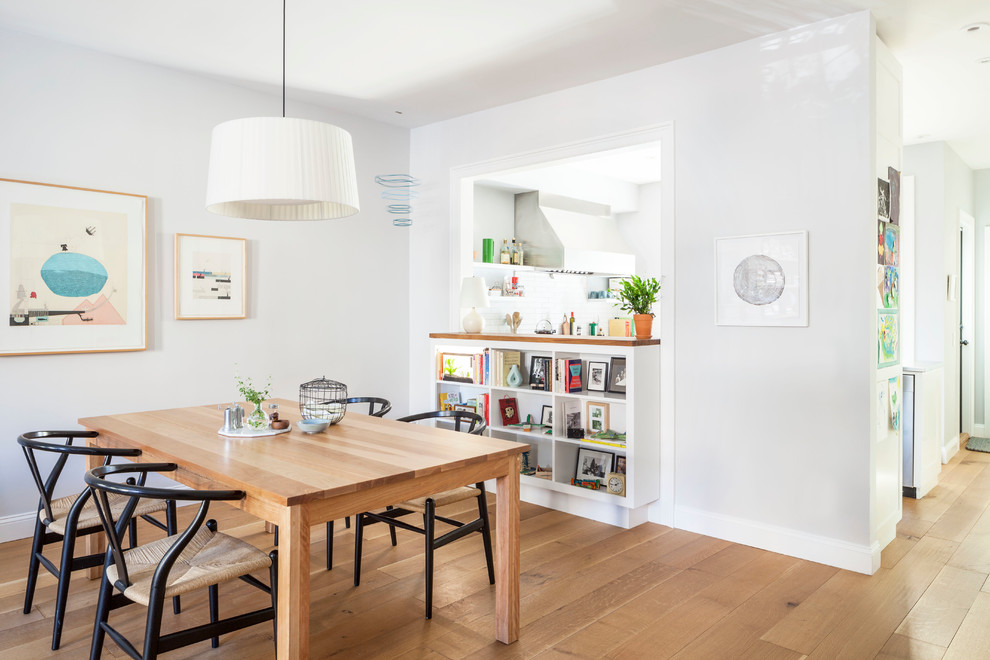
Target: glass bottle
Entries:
(504, 256)
(519, 254)
(515, 253)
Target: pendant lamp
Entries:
(279, 168)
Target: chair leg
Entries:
(62, 592)
(102, 613)
(330, 545)
(347, 522)
(214, 611)
(273, 577)
(275, 534)
(428, 526)
(171, 525)
(358, 541)
(486, 532)
(153, 626)
(33, 564)
(391, 528)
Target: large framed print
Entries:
(210, 277)
(73, 274)
(762, 279)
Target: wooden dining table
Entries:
(297, 480)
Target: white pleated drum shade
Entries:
(277, 168)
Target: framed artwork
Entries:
(620, 464)
(617, 376)
(593, 464)
(509, 410)
(887, 340)
(457, 367)
(762, 279)
(597, 376)
(210, 277)
(895, 195)
(546, 419)
(883, 199)
(596, 414)
(74, 269)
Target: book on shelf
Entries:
(621, 444)
(504, 360)
(572, 381)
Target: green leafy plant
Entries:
(449, 367)
(248, 391)
(638, 295)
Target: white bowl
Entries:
(313, 425)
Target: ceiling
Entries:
(413, 63)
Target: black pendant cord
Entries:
(283, 58)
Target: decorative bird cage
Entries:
(323, 399)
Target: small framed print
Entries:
(620, 464)
(596, 414)
(597, 376)
(538, 372)
(210, 277)
(547, 418)
(593, 464)
(617, 376)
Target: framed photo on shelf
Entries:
(596, 414)
(593, 463)
(620, 464)
(597, 376)
(617, 376)
(210, 277)
(74, 269)
(509, 410)
(547, 418)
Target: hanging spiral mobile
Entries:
(399, 189)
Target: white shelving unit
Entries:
(636, 412)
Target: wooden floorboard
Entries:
(590, 590)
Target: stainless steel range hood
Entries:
(567, 235)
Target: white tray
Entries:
(247, 432)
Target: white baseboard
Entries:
(583, 507)
(17, 526)
(949, 450)
(821, 549)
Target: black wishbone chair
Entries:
(196, 558)
(377, 407)
(67, 518)
(427, 507)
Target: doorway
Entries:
(967, 312)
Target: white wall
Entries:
(318, 291)
(943, 187)
(772, 424)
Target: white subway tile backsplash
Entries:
(550, 296)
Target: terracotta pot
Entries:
(644, 325)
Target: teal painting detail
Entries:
(73, 275)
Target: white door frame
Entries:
(967, 282)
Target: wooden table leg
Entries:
(94, 543)
(293, 584)
(507, 554)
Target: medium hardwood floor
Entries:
(590, 590)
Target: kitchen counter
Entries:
(548, 339)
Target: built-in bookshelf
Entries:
(588, 407)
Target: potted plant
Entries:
(256, 419)
(637, 296)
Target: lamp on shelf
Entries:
(474, 294)
(281, 168)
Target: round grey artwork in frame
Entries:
(758, 279)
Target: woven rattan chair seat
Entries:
(210, 558)
(442, 499)
(89, 517)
